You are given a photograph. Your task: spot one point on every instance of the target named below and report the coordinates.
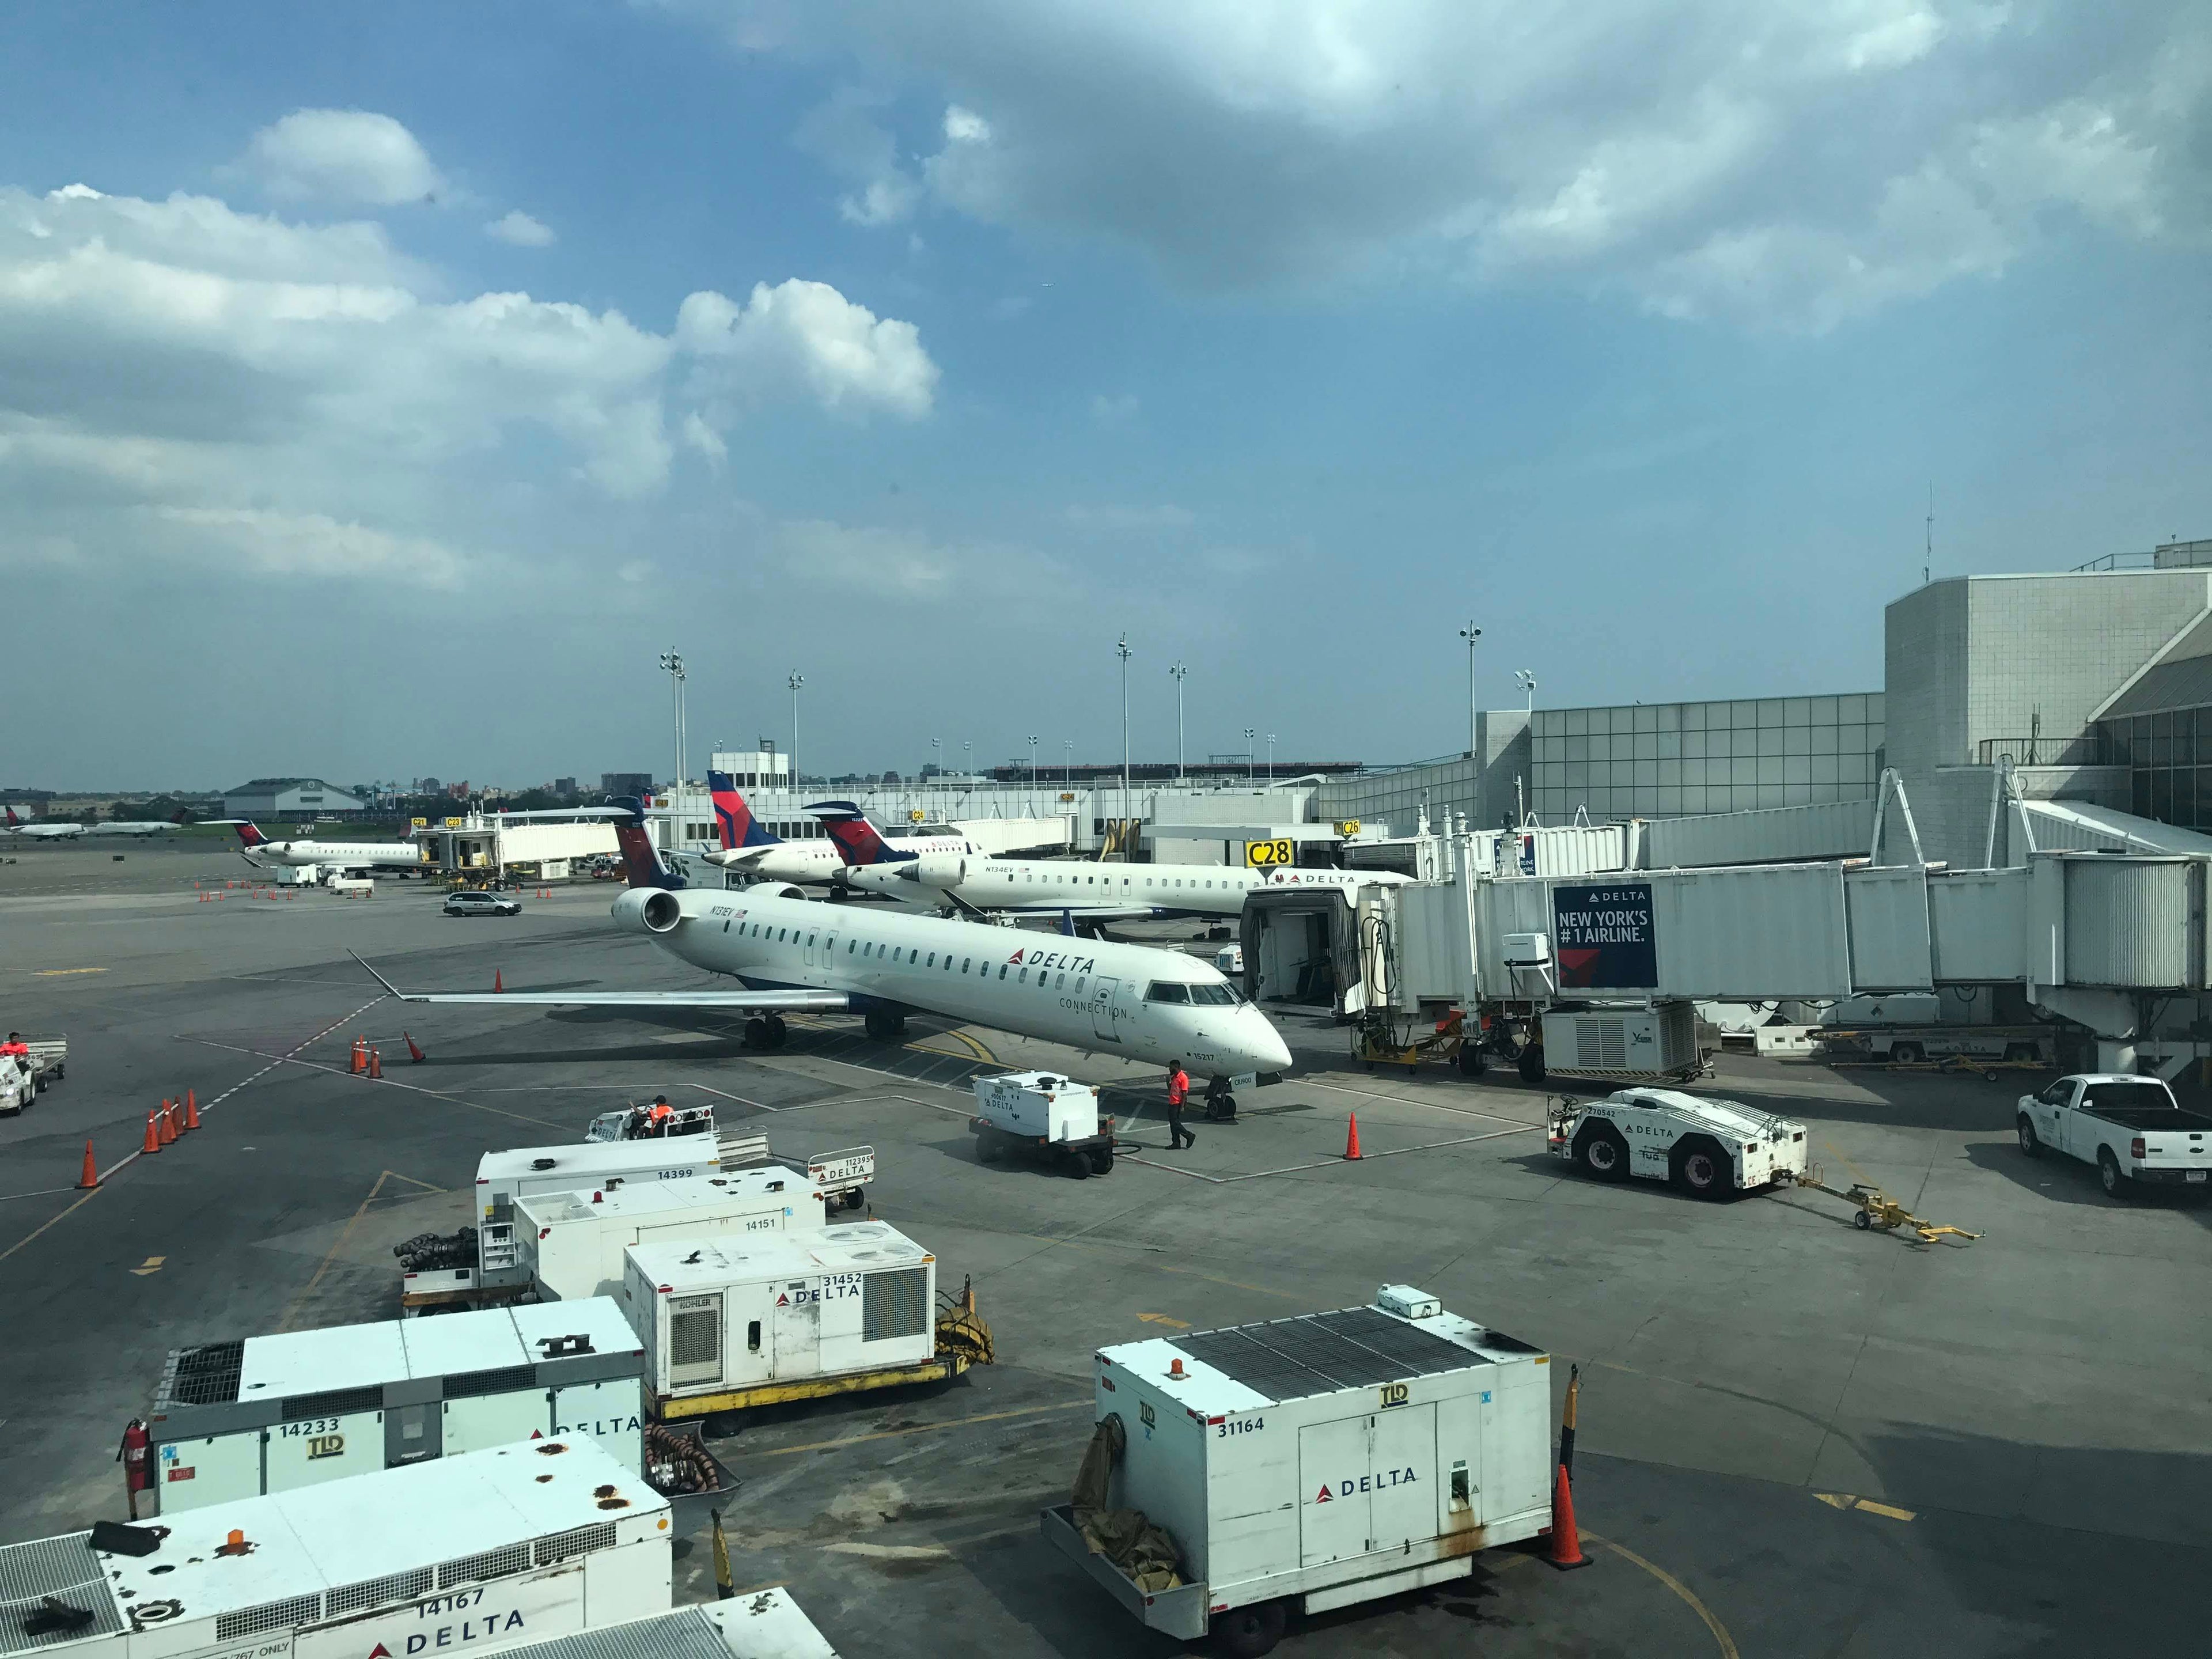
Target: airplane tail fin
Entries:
(249, 835)
(14, 823)
(739, 827)
(856, 839)
(640, 859)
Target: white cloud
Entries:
(310, 545)
(809, 336)
(303, 399)
(1780, 164)
(519, 229)
(353, 157)
(1118, 410)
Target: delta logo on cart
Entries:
(1381, 1481)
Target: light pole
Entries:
(1250, 775)
(1177, 674)
(1033, 778)
(1527, 679)
(1121, 648)
(1271, 758)
(1067, 765)
(798, 679)
(1470, 633)
(673, 665)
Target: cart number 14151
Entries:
(1242, 1426)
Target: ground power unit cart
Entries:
(1306, 1463)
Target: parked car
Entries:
(2131, 1127)
(473, 903)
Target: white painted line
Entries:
(1403, 1100)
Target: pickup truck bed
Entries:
(2154, 1117)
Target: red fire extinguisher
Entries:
(138, 1472)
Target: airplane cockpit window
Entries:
(1214, 996)
(1167, 990)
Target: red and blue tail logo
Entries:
(733, 818)
(249, 835)
(640, 857)
(856, 839)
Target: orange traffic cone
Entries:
(166, 1124)
(1566, 1543)
(153, 1136)
(497, 983)
(191, 1108)
(413, 1050)
(359, 1062)
(90, 1178)
(1351, 1140)
(375, 1064)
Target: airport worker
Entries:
(15, 1044)
(657, 1116)
(1178, 1092)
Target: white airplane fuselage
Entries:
(46, 831)
(1143, 1004)
(817, 863)
(1053, 886)
(337, 855)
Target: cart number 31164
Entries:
(1242, 1426)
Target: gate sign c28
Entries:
(1278, 854)
(1603, 934)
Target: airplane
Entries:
(751, 849)
(1063, 887)
(42, 831)
(793, 953)
(131, 827)
(337, 855)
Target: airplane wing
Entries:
(794, 1002)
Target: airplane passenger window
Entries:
(1167, 990)
(1025, 979)
(851, 946)
(1002, 970)
(966, 962)
(1058, 981)
(948, 962)
(933, 959)
(1079, 984)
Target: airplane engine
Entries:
(935, 869)
(647, 910)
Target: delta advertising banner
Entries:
(1603, 934)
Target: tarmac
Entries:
(1796, 1438)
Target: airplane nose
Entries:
(1269, 1052)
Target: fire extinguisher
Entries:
(138, 1472)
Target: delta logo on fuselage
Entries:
(1043, 960)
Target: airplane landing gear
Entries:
(886, 1028)
(766, 1031)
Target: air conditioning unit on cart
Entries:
(1627, 1043)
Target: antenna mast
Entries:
(1928, 547)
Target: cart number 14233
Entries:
(1242, 1426)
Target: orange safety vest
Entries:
(1178, 1086)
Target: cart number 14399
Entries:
(1242, 1426)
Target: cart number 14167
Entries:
(1242, 1426)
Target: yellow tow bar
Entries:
(1877, 1209)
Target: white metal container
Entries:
(1324, 1459)
(1623, 1042)
(572, 1243)
(502, 1177)
(471, 1554)
(274, 1413)
(1038, 1105)
(1774, 834)
(758, 1625)
(716, 1315)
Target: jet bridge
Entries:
(2115, 943)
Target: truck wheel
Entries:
(1471, 1061)
(1907, 1053)
(1602, 1152)
(2016, 1052)
(1101, 1160)
(987, 1144)
(1078, 1165)
(1248, 1632)
(2029, 1142)
(854, 1199)
(1531, 1063)
(2109, 1172)
(1701, 1171)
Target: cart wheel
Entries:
(1101, 1160)
(856, 1198)
(1078, 1165)
(1531, 1063)
(1248, 1632)
(1862, 1221)
(1471, 1062)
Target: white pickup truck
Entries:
(2131, 1127)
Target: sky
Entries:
(384, 388)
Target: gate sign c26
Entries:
(1602, 931)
